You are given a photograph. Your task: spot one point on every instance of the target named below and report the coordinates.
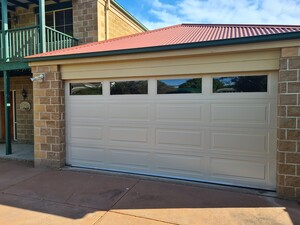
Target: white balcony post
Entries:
(42, 26)
(4, 29)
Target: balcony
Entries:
(25, 41)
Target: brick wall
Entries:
(288, 155)
(85, 21)
(26, 17)
(24, 119)
(49, 118)
(91, 23)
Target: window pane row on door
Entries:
(228, 84)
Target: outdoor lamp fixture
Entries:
(15, 19)
(39, 78)
(24, 94)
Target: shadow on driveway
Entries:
(35, 196)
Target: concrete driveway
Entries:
(34, 196)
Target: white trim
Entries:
(14, 114)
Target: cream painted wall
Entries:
(113, 23)
(201, 64)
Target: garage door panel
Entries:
(180, 164)
(86, 132)
(91, 155)
(81, 143)
(78, 137)
(238, 169)
(241, 142)
(128, 134)
(129, 160)
(240, 113)
(173, 149)
(86, 110)
(179, 113)
(131, 112)
(184, 138)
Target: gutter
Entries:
(236, 41)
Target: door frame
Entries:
(14, 114)
(13, 108)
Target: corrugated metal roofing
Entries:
(176, 35)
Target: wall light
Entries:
(39, 78)
(15, 18)
(24, 94)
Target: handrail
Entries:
(22, 28)
(25, 41)
(56, 40)
(59, 32)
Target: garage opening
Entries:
(213, 128)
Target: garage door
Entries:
(206, 128)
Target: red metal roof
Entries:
(175, 35)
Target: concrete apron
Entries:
(35, 196)
(23, 152)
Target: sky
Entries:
(161, 13)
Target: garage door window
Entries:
(86, 88)
(240, 84)
(179, 86)
(139, 87)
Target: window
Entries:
(129, 87)
(86, 88)
(61, 20)
(240, 84)
(179, 86)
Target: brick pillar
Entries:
(49, 118)
(85, 20)
(288, 148)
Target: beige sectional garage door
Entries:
(224, 137)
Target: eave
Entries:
(225, 42)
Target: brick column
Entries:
(288, 148)
(85, 20)
(49, 118)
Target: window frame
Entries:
(91, 82)
(126, 80)
(52, 13)
(178, 78)
(267, 75)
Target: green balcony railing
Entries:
(56, 40)
(23, 42)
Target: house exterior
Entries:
(216, 103)
(30, 27)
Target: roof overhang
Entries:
(226, 42)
